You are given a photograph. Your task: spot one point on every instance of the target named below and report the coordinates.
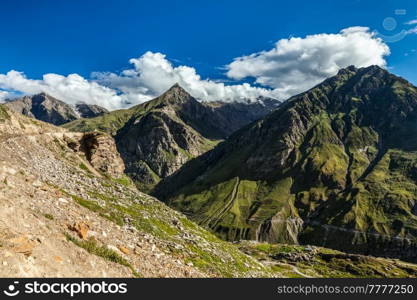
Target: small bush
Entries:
(48, 216)
(84, 167)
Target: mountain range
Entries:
(322, 184)
(156, 138)
(337, 160)
(68, 210)
(49, 109)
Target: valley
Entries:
(175, 187)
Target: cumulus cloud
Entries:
(71, 89)
(4, 95)
(292, 66)
(297, 64)
(152, 74)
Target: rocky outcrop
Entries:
(100, 151)
(280, 228)
(102, 154)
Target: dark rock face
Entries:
(49, 109)
(337, 160)
(231, 116)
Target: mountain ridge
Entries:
(65, 213)
(157, 137)
(49, 109)
(285, 177)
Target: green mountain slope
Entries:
(336, 161)
(156, 138)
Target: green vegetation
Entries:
(92, 247)
(123, 180)
(207, 252)
(153, 177)
(48, 216)
(109, 123)
(307, 261)
(84, 167)
(4, 115)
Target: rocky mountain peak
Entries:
(42, 94)
(42, 97)
(176, 95)
(46, 108)
(354, 69)
(348, 69)
(176, 86)
(361, 74)
(89, 110)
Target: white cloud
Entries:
(71, 89)
(293, 66)
(152, 74)
(411, 22)
(4, 95)
(297, 64)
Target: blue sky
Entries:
(65, 37)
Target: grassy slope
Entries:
(109, 122)
(3, 113)
(209, 253)
(306, 261)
